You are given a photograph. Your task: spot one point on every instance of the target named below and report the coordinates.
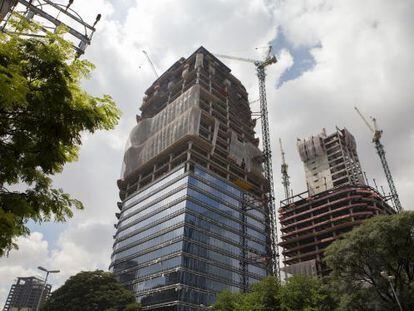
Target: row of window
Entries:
(226, 187)
(206, 200)
(155, 254)
(230, 200)
(139, 202)
(221, 184)
(151, 209)
(218, 218)
(152, 188)
(179, 208)
(171, 235)
(235, 238)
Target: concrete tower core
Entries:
(192, 219)
(330, 161)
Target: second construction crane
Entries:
(376, 139)
(267, 152)
(284, 171)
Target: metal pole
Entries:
(395, 295)
(43, 289)
(385, 275)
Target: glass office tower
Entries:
(192, 220)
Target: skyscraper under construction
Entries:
(192, 221)
(337, 200)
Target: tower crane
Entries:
(376, 139)
(151, 63)
(267, 152)
(284, 171)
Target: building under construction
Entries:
(26, 293)
(192, 221)
(337, 200)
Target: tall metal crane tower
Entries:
(267, 151)
(284, 171)
(376, 139)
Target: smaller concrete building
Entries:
(337, 200)
(25, 294)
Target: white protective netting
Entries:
(311, 148)
(153, 135)
(246, 152)
(302, 268)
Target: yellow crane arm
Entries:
(365, 120)
(248, 60)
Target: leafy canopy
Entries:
(91, 291)
(383, 243)
(300, 293)
(43, 113)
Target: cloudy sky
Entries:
(332, 55)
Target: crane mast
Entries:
(284, 171)
(376, 139)
(267, 152)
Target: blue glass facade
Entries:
(187, 236)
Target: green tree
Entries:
(263, 296)
(91, 291)
(227, 301)
(43, 113)
(304, 293)
(383, 243)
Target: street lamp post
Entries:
(389, 278)
(44, 284)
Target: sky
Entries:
(332, 56)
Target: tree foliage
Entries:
(92, 291)
(307, 294)
(383, 243)
(298, 294)
(43, 113)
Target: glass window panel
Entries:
(256, 246)
(256, 234)
(204, 238)
(257, 270)
(156, 194)
(257, 224)
(212, 228)
(201, 251)
(225, 186)
(217, 217)
(154, 218)
(152, 208)
(152, 230)
(158, 183)
(140, 259)
(207, 268)
(213, 191)
(151, 243)
(213, 203)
